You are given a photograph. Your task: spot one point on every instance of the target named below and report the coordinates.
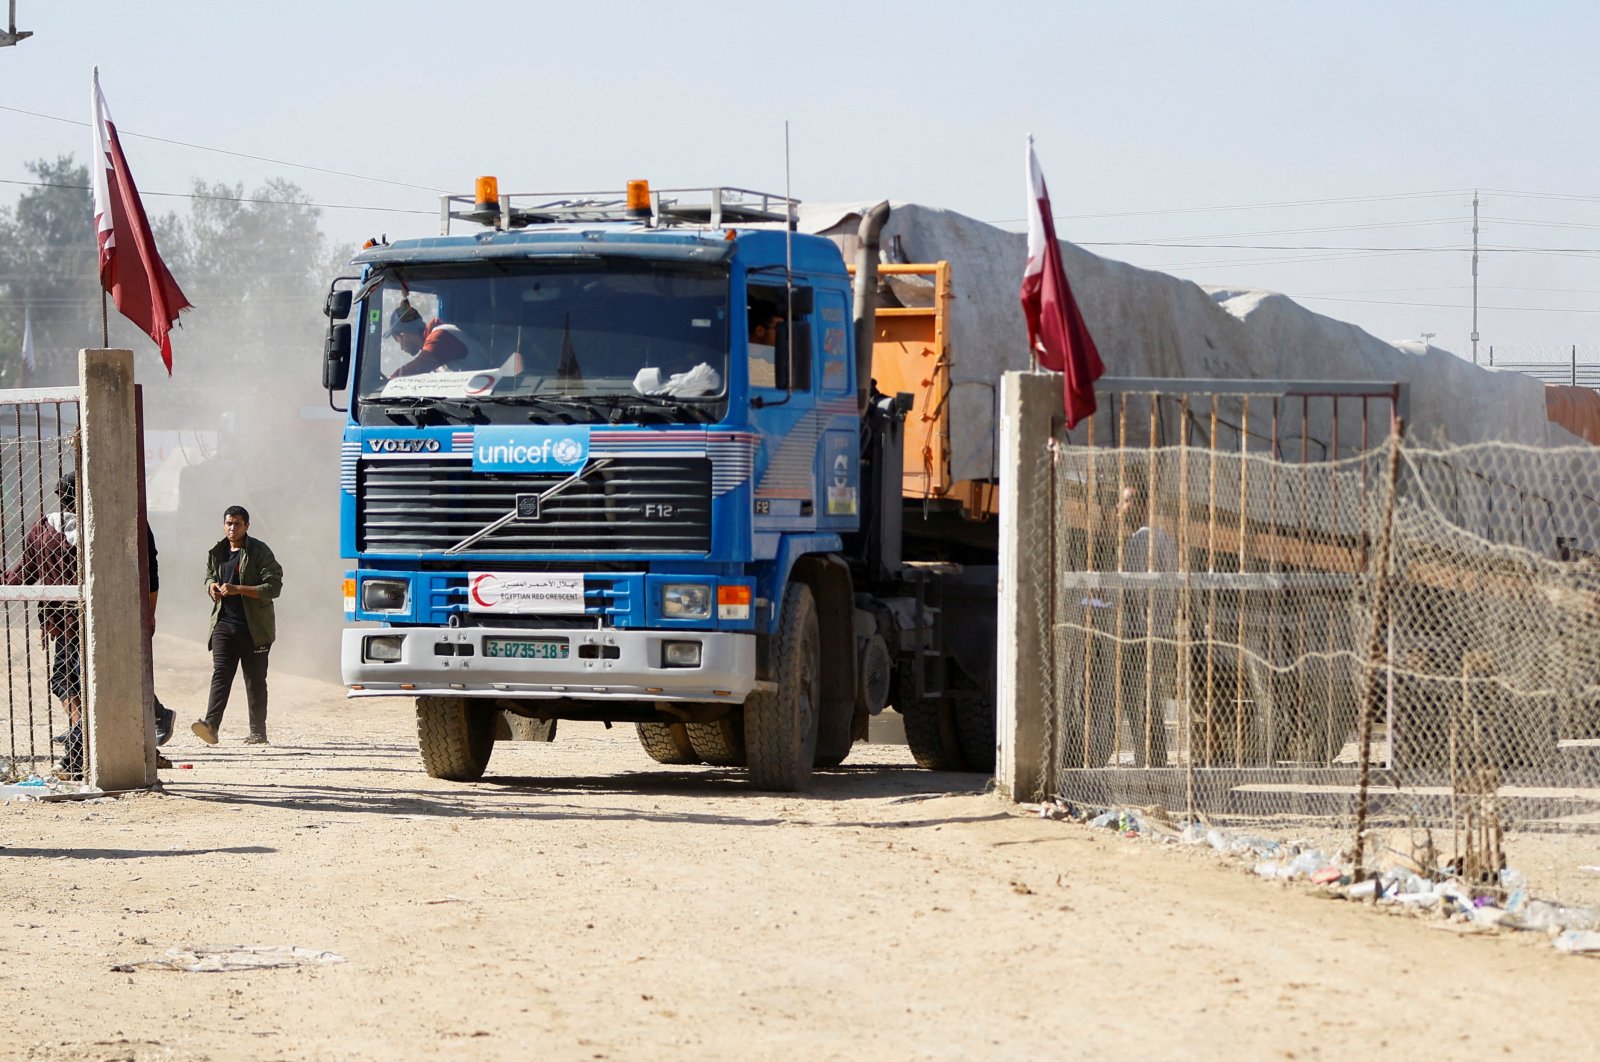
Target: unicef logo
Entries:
(567, 451)
(508, 449)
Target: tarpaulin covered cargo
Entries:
(1148, 323)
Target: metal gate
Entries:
(41, 705)
(1207, 568)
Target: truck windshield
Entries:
(488, 340)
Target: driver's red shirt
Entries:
(439, 348)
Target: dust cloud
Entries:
(244, 420)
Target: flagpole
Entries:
(1033, 351)
(105, 326)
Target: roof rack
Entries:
(711, 207)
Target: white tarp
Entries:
(1151, 324)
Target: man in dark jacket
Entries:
(242, 578)
(50, 558)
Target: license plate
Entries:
(524, 649)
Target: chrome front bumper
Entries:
(601, 665)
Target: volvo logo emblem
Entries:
(527, 507)
(403, 446)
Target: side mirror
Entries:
(338, 307)
(802, 301)
(336, 354)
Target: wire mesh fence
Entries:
(40, 603)
(1391, 652)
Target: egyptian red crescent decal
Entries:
(478, 588)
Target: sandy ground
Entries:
(585, 903)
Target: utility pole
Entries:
(1474, 276)
(13, 35)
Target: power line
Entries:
(1446, 249)
(234, 198)
(1326, 228)
(225, 151)
(1247, 206)
(1444, 305)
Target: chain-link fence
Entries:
(41, 701)
(1357, 643)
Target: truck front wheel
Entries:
(455, 737)
(780, 727)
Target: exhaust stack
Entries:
(866, 298)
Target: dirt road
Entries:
(585, 903)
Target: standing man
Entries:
(50, 557)
(242, 578)
(1149, 621)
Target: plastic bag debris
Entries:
(1305, 865)
(1542, 914)
(223, 959)
(1224, 842)
(1576, 941)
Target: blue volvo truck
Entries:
(619, 457)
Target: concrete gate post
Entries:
(121, 746)
(1029, 406)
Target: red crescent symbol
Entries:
(477, 595)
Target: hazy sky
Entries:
(1328, 151)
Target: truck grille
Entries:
(633, 505)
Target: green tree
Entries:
(48, 270)
(254, 265)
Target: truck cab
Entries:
(601, 461)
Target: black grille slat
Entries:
(430, 505)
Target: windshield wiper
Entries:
(418, 407)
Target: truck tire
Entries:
(780, 727)
(930, 726)
(667, 743)
(455, 737)
(932, 735)
(720, 742)
(975, 729)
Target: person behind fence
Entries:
(50, 558)
(1148, 624)
(165, 717)
(1129, 658)
(242, 579)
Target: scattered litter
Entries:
(1057, 809)
(1577, 941)
(42, 789)
(1224, 842)
(224, 959)
(1305, 865)
(1413, 878)
(1417, 899)
(1544, 915)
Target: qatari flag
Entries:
(130, 268)
(1056, 332)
